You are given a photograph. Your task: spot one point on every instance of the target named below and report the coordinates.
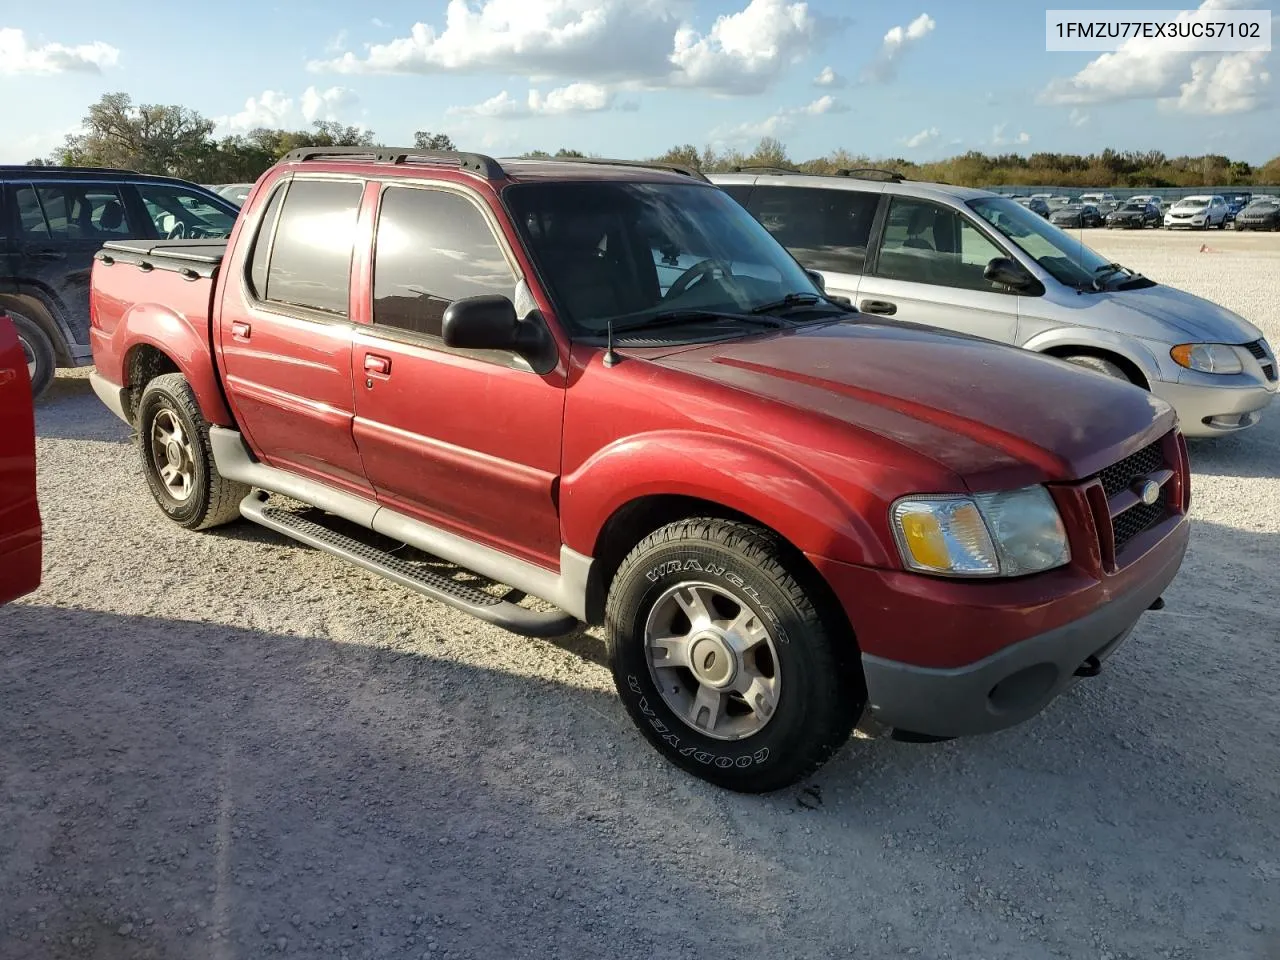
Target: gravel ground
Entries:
(226, 746)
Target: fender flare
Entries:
(156, 326)
(769, 488)
(1089, 338)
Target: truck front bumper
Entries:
(1028, 668)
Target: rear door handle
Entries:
(882, 307)
(240, 330)
(377, 365)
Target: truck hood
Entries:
(1185, 316)
(995, 416)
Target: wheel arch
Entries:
(157, 341)
(40, 310)
(1134, 359)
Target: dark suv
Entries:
(54, 219)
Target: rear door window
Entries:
(311, 255)
(823, 229)
(72, 211)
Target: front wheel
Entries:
(724, 659)
(1099, 365)
(177, 460)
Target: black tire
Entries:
(211, 500)
(41, 360)
(820, 691)
(1100, 365)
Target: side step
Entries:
(483, 606)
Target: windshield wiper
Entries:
(790, 300)
(672, 318)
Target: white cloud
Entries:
(777, 123)
(885, 67)
(824, 104)
(17, 56)
(1077, 117)
(380, 24)
(1187, 81)
(640, 42)
(921, 139)
(327, 104)
(563, 101)
(268, 109)
(998, 139)
(827, 77)
(337, 43)
(745, 51)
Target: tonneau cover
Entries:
(196, 251)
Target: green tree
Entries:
(426, 140)
(149, 138)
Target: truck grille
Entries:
(1259, 351)
(1129, 517)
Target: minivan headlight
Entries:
(1004, 534)
(1207, 357)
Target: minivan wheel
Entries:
(1099, 364)
(173, 439)
(723, 659)
(38, 350)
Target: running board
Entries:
(481, 605)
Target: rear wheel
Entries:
(173, 439)
(38, 350)
(723, 658)
(1099, 365)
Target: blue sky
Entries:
(628, 78)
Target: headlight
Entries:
(1207, 357)
(985, 535)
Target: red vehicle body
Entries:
(545, 474)
(21, 543)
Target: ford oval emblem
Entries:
(1148, 491)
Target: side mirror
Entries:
(481, 323)
(818, 280)
(1008, 272)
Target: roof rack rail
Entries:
(487, 167)
(25, 167)
(764, 167)
(693, 172)
(860, 173)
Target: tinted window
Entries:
(311, 256)
(432, 248)
(823, 229)
(924, 243)
(739, 191)
(179, 212)
(262, 245)
(72, 211)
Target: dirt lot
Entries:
(225, 746)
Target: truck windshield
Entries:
(624, 252)
(1065, 258)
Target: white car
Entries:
(1197, 213)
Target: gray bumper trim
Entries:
(958, 702)
(110, 394)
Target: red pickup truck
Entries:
(21, 530)
(605, 386)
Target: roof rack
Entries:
(764, 167)
(487, 167)
(693, 172)
(28, 168)
(860, 173)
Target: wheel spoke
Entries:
(670, 651)
(695, 608)
(169, 473)
(746, 630)
(761, 695)
(707, 709)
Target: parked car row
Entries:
(1096, 209)
(236, 193)
(54, 219)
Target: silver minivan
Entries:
(983, 264)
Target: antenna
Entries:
(610, 358)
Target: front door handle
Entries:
(381, 366)
(882, 307)
(240, 330)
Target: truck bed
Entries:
(191, 258)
